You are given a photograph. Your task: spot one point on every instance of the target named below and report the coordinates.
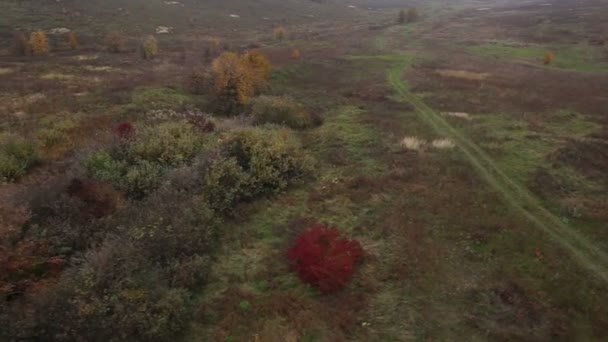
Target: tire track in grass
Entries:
(584, 251)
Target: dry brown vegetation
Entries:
(115, 42)
(279, 33)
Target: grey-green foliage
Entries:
(169, 143)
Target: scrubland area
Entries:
(303, 170)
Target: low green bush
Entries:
(256, 162)
(281, 110)
(137, 179)
(142, 178)
(146, 99)
(169, 143)
(104, 167)
(273, 158)
(55, 131)
(17, 156)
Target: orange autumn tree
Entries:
(39, 43)
(233, 80)
(549, 57)
(238, 78)
(296, 54)
(259, 65)
(279, 33)
(73, 41)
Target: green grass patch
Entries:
(345, 140)
(146, 99)
(522, 149)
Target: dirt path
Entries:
(584, 251)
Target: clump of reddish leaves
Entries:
(124, 131)
(325, 259)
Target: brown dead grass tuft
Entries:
(412, 143)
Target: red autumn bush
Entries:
(325, 259)
(124, 131)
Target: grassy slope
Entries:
(189, 18)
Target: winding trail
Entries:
(584, 251)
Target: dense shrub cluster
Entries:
(325, 259)
(280, 110)
(145, 261)
(255, 162)
(90, 265)
(137, 166)
(115, 294)
(137, 286)
(17, 155)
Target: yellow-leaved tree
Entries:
(259, 66)
(232, 78)
(39, 43)
(73, 40)
(549, 57)
(215, 42)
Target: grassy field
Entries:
(473, 175)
